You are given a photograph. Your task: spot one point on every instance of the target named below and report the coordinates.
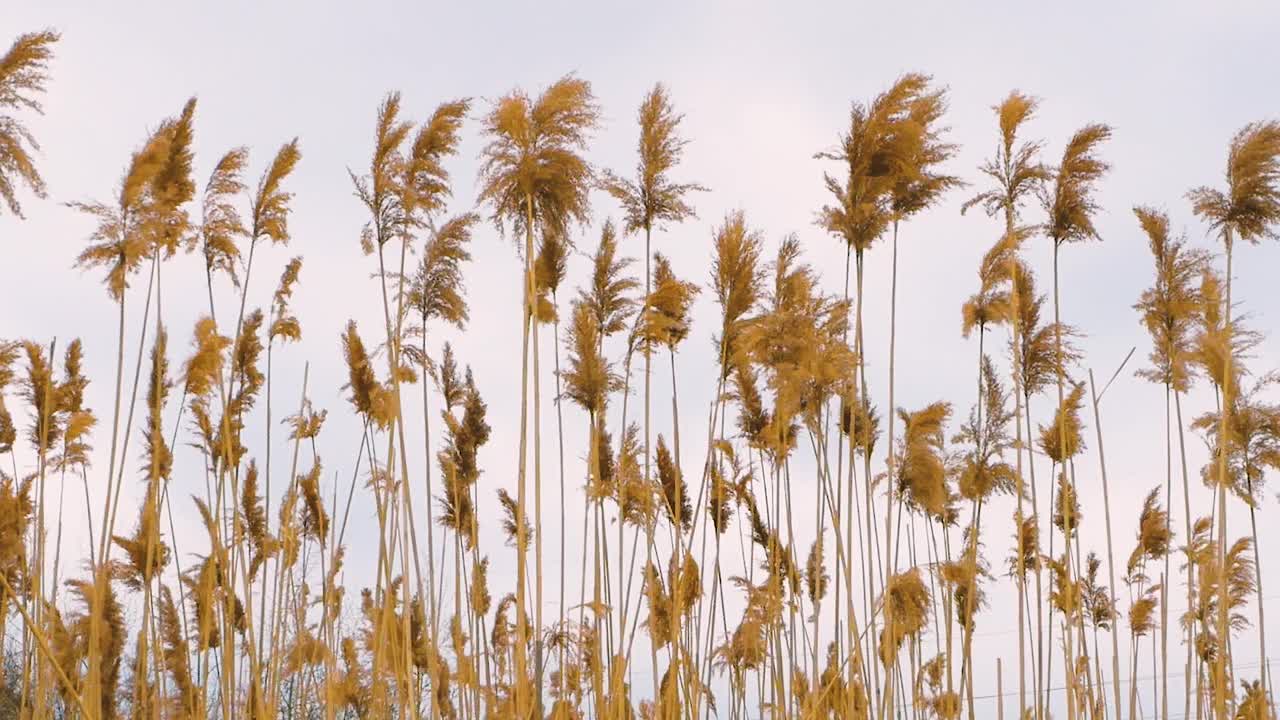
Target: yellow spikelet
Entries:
(1062, 440)
(480, 598)
(146, 554)
(815, 573)
(283, 325)
(269, 215)
(653, 198)
(220, 223)
(608, 295)
(1154, 535)
(906, 601)
(203, 369)
(675, 491)
(315, 520)
(589, 378)
(190, 698)
(16, 509)
(1142, 613)
(156, 452)
(921, 469)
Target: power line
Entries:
(1105, 683)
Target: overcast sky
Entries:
(763, 88)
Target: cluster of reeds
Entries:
(875, 619)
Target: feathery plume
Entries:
(653, 198)
(533, 156)
(24, 71)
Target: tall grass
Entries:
(754, 586)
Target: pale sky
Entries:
(763, 87)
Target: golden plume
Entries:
(1036, 351)
(1066, 506)
(425, 187)
(921, 468)
(306, 424)
(736, 279)
(534, 156)
(1154, 535)
(816, 576)
(1015, 170)
(147, 210)
(436, 289)
(102, 618)
(1025, 554)
(1064, 593)
(653, 198)
(145, 554)
(369, 397)
(1253, 441)
(156, 452)
(8, 433)
(608, 295)
(675, 491)
(982, 470)
(1142, 613)
(666, 317)
(919, 186)
(589, 378)
(1250, 206)
(1062, 440)
(1171, 308)
(315, 520)
(877, 152)
(1096, 597)
(510, 517)
(39, 390)
(255, 520)
(480, 598)
(284, 325)
(1070, 201)
(16, 509)
(220, 221)
(269, 211)
(190, 696)
(203, 370)
(906, 601)
(165, 223)
(23, 75)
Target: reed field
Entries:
(714, 484)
